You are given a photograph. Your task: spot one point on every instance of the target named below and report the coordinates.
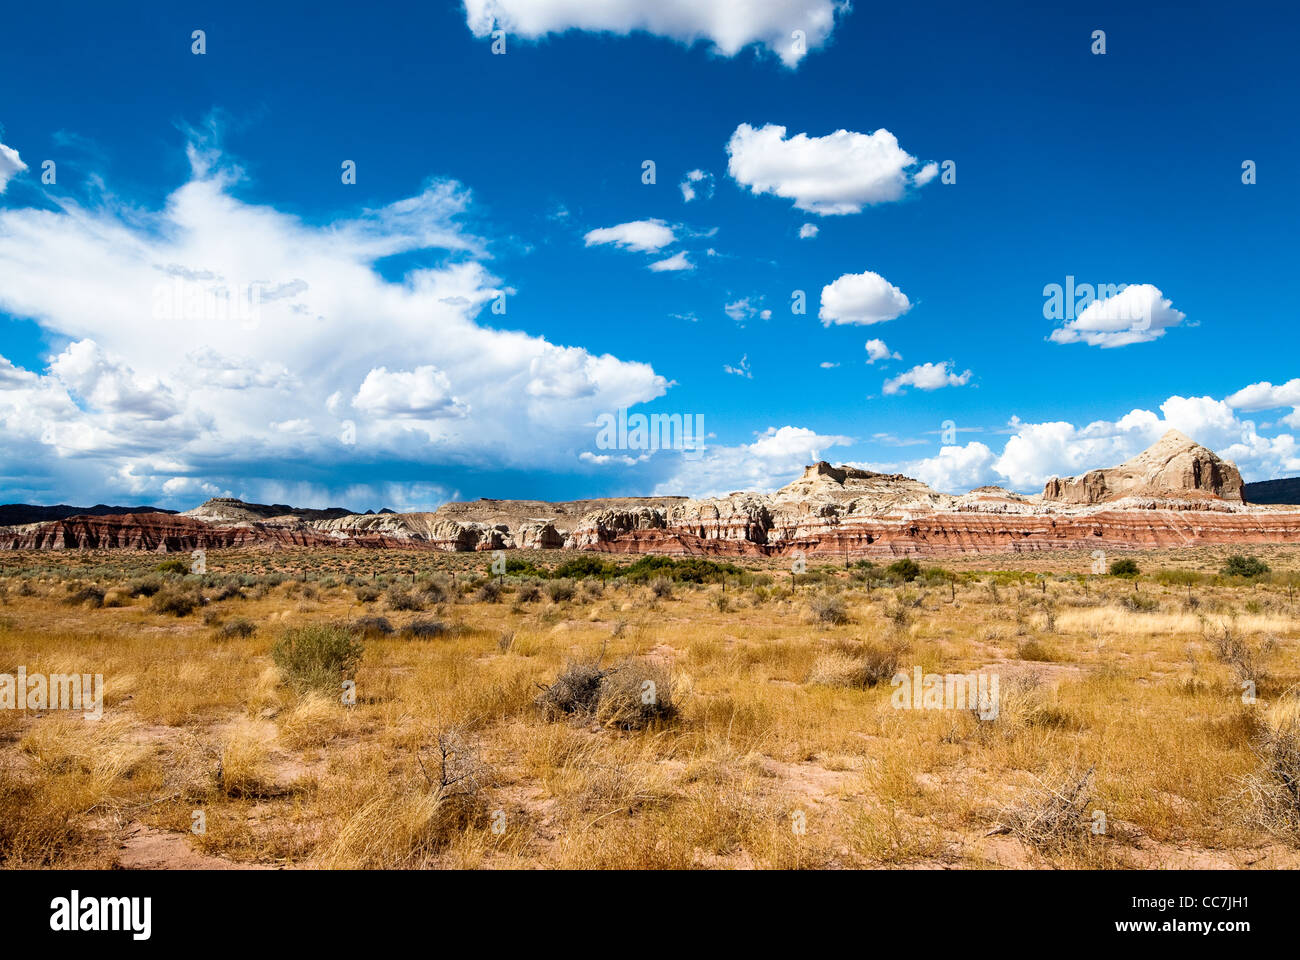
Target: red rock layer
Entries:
(947, 534)
(935, 534)
(167, 533)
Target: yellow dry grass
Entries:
(778, 755)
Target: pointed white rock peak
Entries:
(1174, 466)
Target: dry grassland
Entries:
(768, 737)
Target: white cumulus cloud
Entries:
(861, 298)
(776, 457)
(839, 173)
(643, 236)
(1137, 314)
(10, 165)
(424, 392)
(957, 469)
(926, 376)
(728, 26)
(165, 367)
(1035, 452)
(877, 350)
(694, 183)
(1265, 396)
(678, 261)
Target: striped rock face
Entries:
(1176, 493)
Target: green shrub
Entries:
(145, 586)
(1124, 568)
(175, 565)
(179, 603)
(583, 567)
(560, 590)
(906, 569)
(433, 591)
(1139, 603)
(229, 590)
(1242, 566)
(317, 657)
(1178, 578)
(689, 569)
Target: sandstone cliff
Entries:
(1176, 493)
(1175, 466)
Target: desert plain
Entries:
(352, 708)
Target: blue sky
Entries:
(481, 174)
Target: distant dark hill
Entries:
(1273, 491)
(13, 514)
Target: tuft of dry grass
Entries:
(243, 767)
(873, 664)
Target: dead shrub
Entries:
(1053, 817)
(434, 590)
(575, 692)
(898, 613)
(34, 830)
(828, 608)
(91, 595)
(239, 627)
(373, 628)
(1273, 791)
(1232, 649)
(117, 598)
(425, 629)
(1032, 648)
(402, 600)
(635, 695)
